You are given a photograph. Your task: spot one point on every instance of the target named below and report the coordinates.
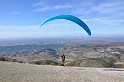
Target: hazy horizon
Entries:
(65, 37)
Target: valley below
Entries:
(81, 52)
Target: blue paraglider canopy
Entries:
(71, 18)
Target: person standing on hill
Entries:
(63, 58)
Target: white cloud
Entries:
(40, 6)
(104, 21)
(45, 8)
(15, 12)
(37, 4)
(101, 8)
(105, 14)
(19, 31)
(18, 28)
(62, 6)
(108, 7)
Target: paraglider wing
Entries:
(71, 18)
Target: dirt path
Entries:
(18, 72)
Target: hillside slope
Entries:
(20, 72)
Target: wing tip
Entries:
(89, 33)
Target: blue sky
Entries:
(22, 18)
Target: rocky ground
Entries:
(24, 72)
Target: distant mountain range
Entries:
(74, 49)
